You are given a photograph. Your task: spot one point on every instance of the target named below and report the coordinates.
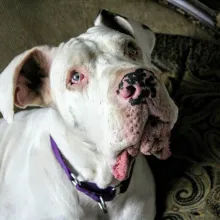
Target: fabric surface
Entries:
(188, 184)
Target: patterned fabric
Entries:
(188, 184)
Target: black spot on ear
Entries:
(33, 73)
(108, 19)
(145, 27)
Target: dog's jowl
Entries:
(103, 107)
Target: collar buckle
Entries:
(74, 180)
(117, 189)
(102, 205)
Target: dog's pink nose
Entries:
(137, 86)
(130, 91)
(127, 92)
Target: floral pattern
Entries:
(188, 184)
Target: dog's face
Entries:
(89, 84)
(103, 85)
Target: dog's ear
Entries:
(25, 81)
(144, 37)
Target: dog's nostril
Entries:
(131, 90)
(127, 92)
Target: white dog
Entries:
(80, 157)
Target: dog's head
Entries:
(103, 85)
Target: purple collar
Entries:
(91, 189)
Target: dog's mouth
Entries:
(122, 167)
(154, 140)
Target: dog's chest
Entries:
(37, 188)
(49, 209)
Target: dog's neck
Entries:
(83, 158)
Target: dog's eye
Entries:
(76, 77)
(132, 50)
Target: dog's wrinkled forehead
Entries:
(99, 45)
(110, 28)
(98, 38)
(108, 36)
(102, 34)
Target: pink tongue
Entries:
(120, 169)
